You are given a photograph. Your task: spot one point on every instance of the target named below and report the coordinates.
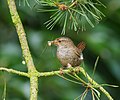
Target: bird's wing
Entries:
(81, 46)
(77, 52)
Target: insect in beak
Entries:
(50, 43)
(55, 42)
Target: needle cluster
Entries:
(71, 14)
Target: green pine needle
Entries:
(95, 65)
(69, 79)
(109, 85)
(73, 15)
(94, 94)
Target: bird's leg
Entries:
(69, 66)
(65, 67)
(61, 71)
(78, 67)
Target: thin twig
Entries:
(14, 71)
(53, 73)
(76, 69)
(96, 84)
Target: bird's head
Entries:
(62, 41)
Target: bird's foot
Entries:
(61, 71)
(69, 66)
(77, 69)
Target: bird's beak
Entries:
(52, 42)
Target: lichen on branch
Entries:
(22, 35)
(72, 71)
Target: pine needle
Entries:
(69, 79)
(95, 65)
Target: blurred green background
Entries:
(103, 41)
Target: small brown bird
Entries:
(67, 53)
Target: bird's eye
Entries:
(59, 41)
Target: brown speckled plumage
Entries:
(67, 52)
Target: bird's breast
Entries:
(64, 53)
(68, 55)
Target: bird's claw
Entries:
(61, 71)
(69, 66)
(78, 69)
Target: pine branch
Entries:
(79, 69)
(73, 15)
(14, 71)
(95, 84)
(91, 85)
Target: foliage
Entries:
(97, 44)
(71, 14)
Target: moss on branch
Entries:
(78, 69)
(34, 79)
(14, 71)
(22, 35)
(25, 49)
